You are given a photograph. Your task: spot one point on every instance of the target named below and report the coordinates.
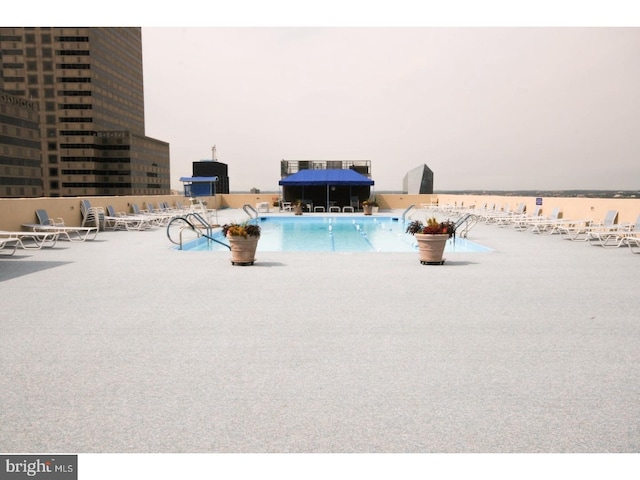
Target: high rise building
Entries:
(87, 84)
(20, 164)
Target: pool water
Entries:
(334, 234)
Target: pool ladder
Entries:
(248, 209)
(190, 219)
(465, 223)
(404, 214)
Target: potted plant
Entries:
(369, 205)
(432, 239)
(298, 205)
(243, 240)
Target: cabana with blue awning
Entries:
(333, 186)
(199, 186)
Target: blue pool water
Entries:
(334, 234)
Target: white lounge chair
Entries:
(509, 217)
(615, 235)
(150, 212)
(31, 240)
(163, 216)
(499, 212)
(522, 222)
(551, 225)
(632, 240)
(48, 225)
(8, 246)
(541, 223)
(120, 220)
(579, 231)
(483, 213)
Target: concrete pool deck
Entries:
(123, 344)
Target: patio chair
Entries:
(285, 206)
(262, 207)
(73, 234)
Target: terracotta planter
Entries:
(297, 209)
(368, 209)
(243, 250)
(431, 248)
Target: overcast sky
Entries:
(484, 108)
(551, 104)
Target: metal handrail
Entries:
(467, 222)
(404, 214)
(246, 207)
(191, 226)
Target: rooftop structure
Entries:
(326, 184)
(289, 167)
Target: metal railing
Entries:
(404, 214)
(190, 224)
(465, 223)
(248, 209)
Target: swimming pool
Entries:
(334, 234)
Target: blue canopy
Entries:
(325, 177)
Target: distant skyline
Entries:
(484, 108)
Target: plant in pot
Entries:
(243, 240)
(368, 205)
(298, 205)
(432, 239)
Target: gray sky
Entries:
(484, 108)
(551, 104)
